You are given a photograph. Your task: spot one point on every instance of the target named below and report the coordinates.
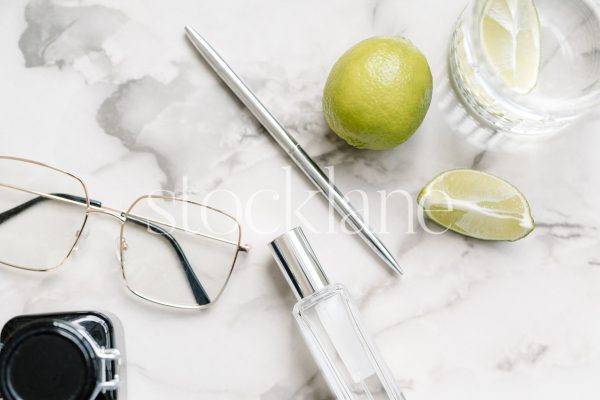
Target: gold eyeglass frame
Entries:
(123, 216)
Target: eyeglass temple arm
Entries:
(8, 214)
(200, 294)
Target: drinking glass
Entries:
(568, 83)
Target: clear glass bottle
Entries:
(331, 325)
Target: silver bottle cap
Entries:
(298, 263)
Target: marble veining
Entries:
(112, 91)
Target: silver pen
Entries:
(291, 147)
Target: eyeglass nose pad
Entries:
(81, 235)
(121, 243)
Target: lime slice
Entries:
(510, 33)
(477, 204)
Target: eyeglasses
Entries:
(173, 251)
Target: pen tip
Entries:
(396, 267)
(389, 259)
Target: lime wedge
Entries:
(510, 34)
(477, 204)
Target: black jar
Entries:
(66, 356)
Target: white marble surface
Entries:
(112, 91)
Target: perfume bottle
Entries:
(331, 325)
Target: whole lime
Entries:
(378, 92)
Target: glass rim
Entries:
(470, 18)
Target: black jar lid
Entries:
(47, 360)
